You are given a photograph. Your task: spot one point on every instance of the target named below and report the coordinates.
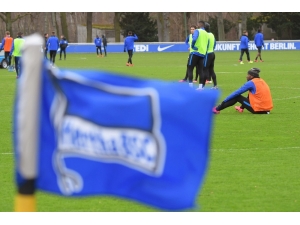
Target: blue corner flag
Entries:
(83, 133)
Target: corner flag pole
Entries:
(27, 122)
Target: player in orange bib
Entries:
(6, 45)
(259, 100)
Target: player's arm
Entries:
(248, 86)
(195, 36)
(2, 44)
(215, 43)
(187, 40)
(12, 48)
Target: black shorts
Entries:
(259, 48)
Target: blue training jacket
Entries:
(248, 86)
(53, 43)
(129, 42)
(259, 40)
(98, 41)
(244, 42)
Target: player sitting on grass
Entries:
(259, 100)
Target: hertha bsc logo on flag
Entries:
(106, 137)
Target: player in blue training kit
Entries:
(52, 45)
(259, 42)
(188, 42)
(63, 44)
(209, 62)
(129, 45)
(98, 43)
(244, 47)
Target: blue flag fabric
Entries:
(101, 133)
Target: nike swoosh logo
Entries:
(164, 48)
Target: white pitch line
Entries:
(224, 149)
(249, 149)
(278, 99)
(286, 88)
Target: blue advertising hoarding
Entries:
(180, 46)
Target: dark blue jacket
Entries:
(259, 40)
(244, 42)
(63, 43)
(53, 43)
(129, 42)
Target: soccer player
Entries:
(209, 63)
(63, 44)
(17, 53)
(53, 44)
(45, 45)
(244, 47)
(7, 42)
(188, 41)
(259, 100)
(198, 52)
(129, 45)
(104, 41)
(259, 42)
(98, 42)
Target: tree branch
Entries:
(20, 16)
(2, 16)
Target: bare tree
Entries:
(54, 22)
(220, 23)
(163, 26)
(46, 23)
(6, 17)
(74, 17)
(117, 26)
(89, 26)
(244, 20)
(64, 25)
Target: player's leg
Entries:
(51, 56)
(241, 55)
(186, 71)
(17, 65)
(192, 62)
(196, 75)
(259, 50)
(104, 48)
(241, 99)
(202, 77)
(207, 66)
(7, 57)
(248, 55)
(212, 70)
(97, 51)
(130, 56)
(45, 53)
(65, 53)
(54, 55)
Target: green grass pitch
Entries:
(254, 161)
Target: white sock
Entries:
(191, 84)
(200, 86)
